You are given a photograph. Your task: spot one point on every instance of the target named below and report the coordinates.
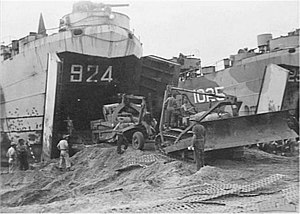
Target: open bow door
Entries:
(50, 97)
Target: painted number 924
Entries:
(92, 71)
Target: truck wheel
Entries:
(138, 140)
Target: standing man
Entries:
(199, 138)
(170, 110)
(12, 157)
(185, 113)
(23, 155)
(121, 141)
(63, 146)
(149, 123)
(70, 125)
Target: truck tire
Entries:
(138, 140)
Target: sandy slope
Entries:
(104, 181)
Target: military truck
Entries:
(129, 118)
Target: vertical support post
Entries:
(163, 115)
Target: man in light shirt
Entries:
(12, 157)
(63, 147)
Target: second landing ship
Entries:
(266, 81)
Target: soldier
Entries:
(199, 138)
(121, 141)
(170, 110)
(23, 154)
(63, 147)
(149, 123)
(70, 125)
(12, 157)
(185, 113)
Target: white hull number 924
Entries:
(93, 70)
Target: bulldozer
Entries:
(227, 131)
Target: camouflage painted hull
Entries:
(245, 79)
(268, 87)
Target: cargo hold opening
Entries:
(80, 104)
(83, 104)
(84, 84)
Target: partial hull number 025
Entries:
(92, 71)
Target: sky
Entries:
(209, 30)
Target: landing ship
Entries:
(266, 81)
(47, 81)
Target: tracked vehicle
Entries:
(227, 130)
(265, 82)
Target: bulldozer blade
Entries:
(241, 131)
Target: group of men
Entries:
(19, 152)
(18, 155)
(176, 115)
(198, 138)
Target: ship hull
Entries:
(105, 41)
(245, 80)
(36, 101)
(45, 80)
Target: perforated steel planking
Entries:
(291, 194)
(187, 202)
(229, 189)
(166, 207)
(142, 161)
(201, 193)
